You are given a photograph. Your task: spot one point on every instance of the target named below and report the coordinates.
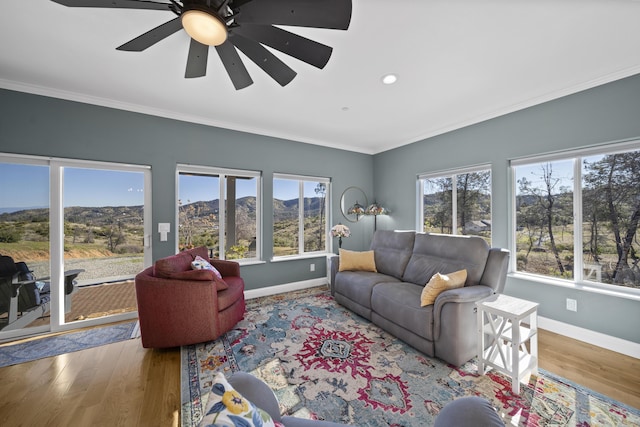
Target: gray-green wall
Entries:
(604, 114)
(37, 125)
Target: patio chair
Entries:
(21, 293)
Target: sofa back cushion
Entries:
(166, 267)
(392, 251)
(442, 253)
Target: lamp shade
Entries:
(204, 26)
(376, 209)
(357, 209)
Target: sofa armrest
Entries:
(495, 270)
(335, 265)
(467, 294)
(226, 268)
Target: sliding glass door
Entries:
(81, 232)
(24, 245)
(104, 239)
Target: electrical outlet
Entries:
(312, 267)
(572, 305)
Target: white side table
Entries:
(505, 325)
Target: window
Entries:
(299, 215)
(577, 217)
(220, 209)
(471, 212)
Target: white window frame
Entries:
(448, 173)
(301, 180)
(222, 174)
(577, 156)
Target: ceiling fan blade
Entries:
(197, 60)
(116, 4)
(270, 64)
(333, 14)
(152, 37)
(309, 51)
(233, 64)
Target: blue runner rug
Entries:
(66, 343)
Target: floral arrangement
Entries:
(340, 230)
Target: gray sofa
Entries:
(405, 262)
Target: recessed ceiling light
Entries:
(389, 79)
(345, 108)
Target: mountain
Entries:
(98, 216)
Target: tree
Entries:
(529, 218)
(114, 235)
(470, 189)
(614, 193)
(321, 191)
(437, 204)
(546, 193)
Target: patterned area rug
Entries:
(12, 354)
(326, 362)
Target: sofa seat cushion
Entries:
(400, 303)
(357, 285)
(233, 293)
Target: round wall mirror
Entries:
(353, 203)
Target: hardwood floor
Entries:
(120, 384)
(612, 374)
(123, 384)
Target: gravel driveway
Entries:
(97, 269)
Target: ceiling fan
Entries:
(243, 24)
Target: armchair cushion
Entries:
(200, 275)
(226, 268)
(227, 407)
(259, 393)
(180, 262)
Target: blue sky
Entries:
(27, 186)
(24, 186)
(562, 170)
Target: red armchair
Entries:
(180, 306)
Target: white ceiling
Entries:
(458, 63)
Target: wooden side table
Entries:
(505, 326)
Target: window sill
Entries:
(250, 262)
(604, 289)
(298, 257)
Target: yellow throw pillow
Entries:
(357, 261)
(440, 283)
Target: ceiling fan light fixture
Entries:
(389, 79)
(204, 26)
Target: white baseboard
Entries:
(618, 345)
(287, 287)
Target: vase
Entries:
(339, 241)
